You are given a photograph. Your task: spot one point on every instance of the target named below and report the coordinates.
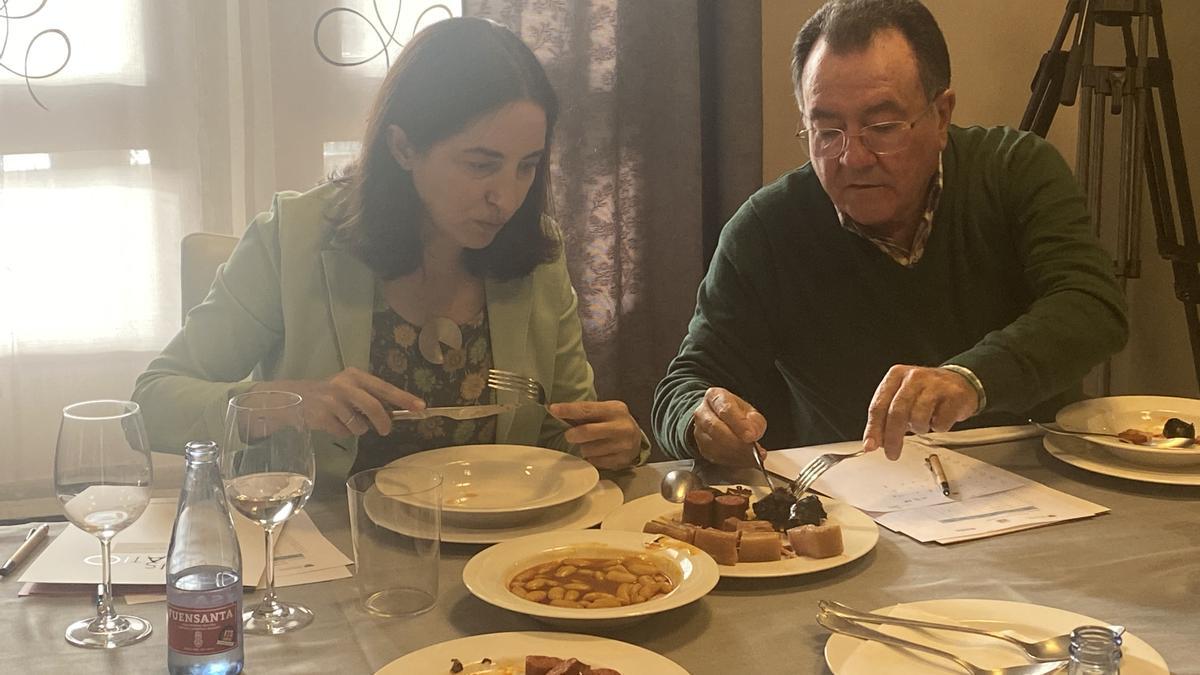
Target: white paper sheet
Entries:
(1028, 506)
(903, 496)
(140, 552)
(874, 483)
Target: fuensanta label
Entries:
(202, 631)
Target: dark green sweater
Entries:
(802, 318)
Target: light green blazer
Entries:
(289, 304)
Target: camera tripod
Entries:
(1135, 91)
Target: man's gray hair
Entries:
(849, 26)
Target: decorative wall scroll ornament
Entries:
(387, 36)
(438, 331)
(6, 19)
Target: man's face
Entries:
(883, 193)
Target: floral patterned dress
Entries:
(461, 379)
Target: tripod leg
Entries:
(1185, 258)
(1048, 81)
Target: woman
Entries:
(398, 285)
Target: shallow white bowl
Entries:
(500, 485)
(1114, 414)
(692, 571)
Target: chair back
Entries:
(200, 254)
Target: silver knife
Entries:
(460, 412)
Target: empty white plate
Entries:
(501, 485)
(582, 513)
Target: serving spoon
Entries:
(678, 483)
(1177, 442)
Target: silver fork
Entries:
(527, 387)
(813, 470)
(845, 626)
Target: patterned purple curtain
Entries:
(628, 161)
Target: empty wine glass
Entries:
(102, 476)
(268, 468)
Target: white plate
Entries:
(851, 656)
(1114, 414)
(513, 647)
(859, 534)
(579, 514)
(978, 436)
(500, 485)
(487, 574)
(1086, 456)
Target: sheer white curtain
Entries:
(167, 118)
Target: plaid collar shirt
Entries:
(903, 256)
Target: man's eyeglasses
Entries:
(884, 138)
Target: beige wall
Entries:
(994, 49)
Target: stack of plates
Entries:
(1114, 457)
(498, 492)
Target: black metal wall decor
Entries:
(387, 36)
(6, 20)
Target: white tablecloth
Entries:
(1138, 566)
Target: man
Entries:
(912, 276)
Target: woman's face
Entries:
(473, 182)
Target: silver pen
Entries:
(32, 540)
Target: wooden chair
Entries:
(201, 253)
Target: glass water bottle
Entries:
(204, 574)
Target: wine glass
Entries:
(102, 476)
(268, 468)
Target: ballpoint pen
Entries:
(939, 474)
(32, 540)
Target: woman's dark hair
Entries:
(850, 25)
(449, 75)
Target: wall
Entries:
(994, 49)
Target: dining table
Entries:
(1137, 565)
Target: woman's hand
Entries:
(350, 403)
(605, 432)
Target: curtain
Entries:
(658, 143)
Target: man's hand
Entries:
(349, 403)
(607, 435)
(727, 428)
(912, 398)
